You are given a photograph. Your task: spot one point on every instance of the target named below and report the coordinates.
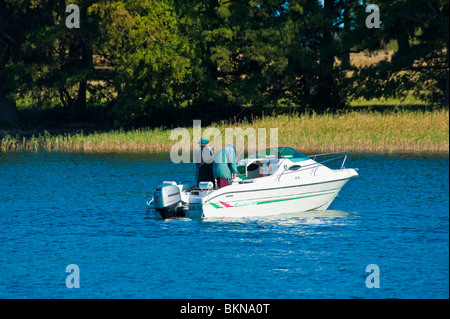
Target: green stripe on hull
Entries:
(215, 205)
(286, 199)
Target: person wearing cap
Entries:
(203, 158)
(224, 165)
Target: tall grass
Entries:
(395, 131)
(404, 131)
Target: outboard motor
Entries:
(167, 200)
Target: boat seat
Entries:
(253, 170)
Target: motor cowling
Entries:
(167, 198)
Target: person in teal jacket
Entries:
(224, 165)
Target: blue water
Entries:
(58, 209)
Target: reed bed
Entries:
(402, 131)
(395, 131)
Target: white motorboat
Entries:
(281, 180)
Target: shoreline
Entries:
(32, 146)
(369, 132)
(304, 151)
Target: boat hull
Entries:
(260, 200)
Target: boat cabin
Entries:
(268, 162)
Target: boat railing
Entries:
(315, 166)
(343, 154)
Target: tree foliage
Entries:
(132, 61)
(140, 39)
(420, 65)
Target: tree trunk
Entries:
(325, 93)
(87, 64)
(345, 55)
(8, 112)
(446, 89)
(81, 99)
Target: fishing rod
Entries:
(235, 117)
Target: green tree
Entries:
(140, 39)
(48, 60)
(264, 52)
(8, 111)
(420, 65)
(162, 58)
(273, 52)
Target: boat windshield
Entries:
(281, 152)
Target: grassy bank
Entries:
(362, 131)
